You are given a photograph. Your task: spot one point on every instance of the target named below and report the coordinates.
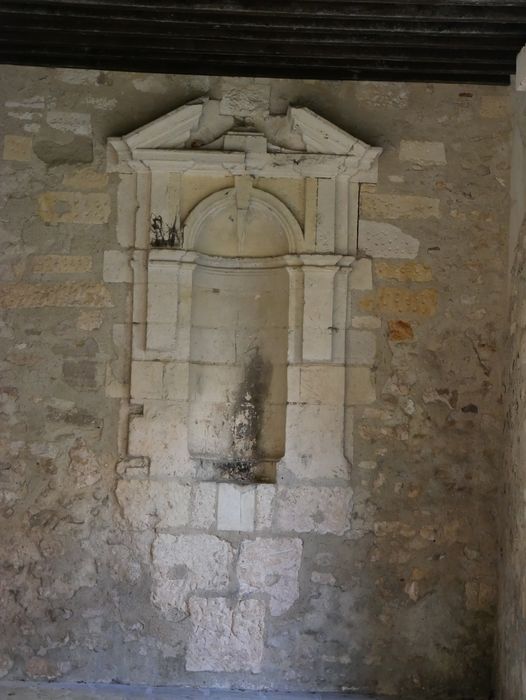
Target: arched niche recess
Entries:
(205, 209)
(239, 334)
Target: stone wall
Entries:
(387, 583)
(512, 594)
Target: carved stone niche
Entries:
(244, 240)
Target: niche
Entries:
(238, 336)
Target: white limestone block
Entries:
(361, 274)
(317, 509)
(226, 637)
(203, 510)
(184, 563)
(265, 494)
(423, 152)
(362, 347)
(381, 240)
(116, 266)
(147, 380)
(148, 504)
(236, 507)
(271, 566)
(360, 387)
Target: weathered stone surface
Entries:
(361, 274)
(89, 320)
(183, 564)
(381, 240)
(360, 387)
(6, 663)
(226, 637)
(74, 208)
(82, 374)
(495, 107)
(61, 264)
(203, 511)
(147, 380)
(19, 148)
(153, 504)
(362, 347)
(34, 296)
(86, 179)
(400, 331)
(366, 323)
(398, 206)
(423, 152)
(84, 467)
(244, 98)
(271, 565)
(74, 122)
(314, 509)
(404, 272)
(397, 300)
(116, 266)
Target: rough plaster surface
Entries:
(396, 585)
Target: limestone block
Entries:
(175, 381)
(203, 513)
(236, 506)
(396, 300)
(360, 387)
(381, 240)
(147, 380)
(361, 274)
(317, 509)
(60, 264)
(362, 347)
(34, 296)
(403, 272)
(86, 179)
(185, 563)
(126, 210)
(322, 384)
(366, 323)
(78, 123)
(116, 266)
(153, 504)
(226, 637)
(315, 441)
(74, 207)
(89, 320)
(271, 566)
(161, 434)
(398, 206)
(265, 494)
(423, 152)
(19, 148)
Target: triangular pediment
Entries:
(203, 125)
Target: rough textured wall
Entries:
(403, 601)
(512, 597)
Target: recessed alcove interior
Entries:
(239, 334)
